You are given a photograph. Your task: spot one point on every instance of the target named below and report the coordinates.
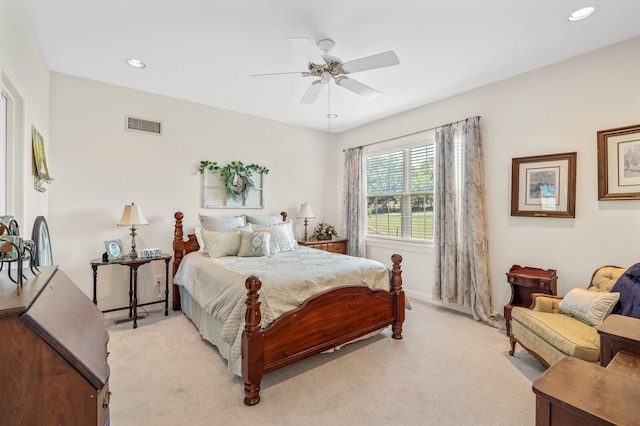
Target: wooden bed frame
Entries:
(327, 320)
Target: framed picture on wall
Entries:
(39, 158)
(544, 185)
(619, 163)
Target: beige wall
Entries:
(555, 109)
(101, 167)
(24, 67)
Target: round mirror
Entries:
(40, 235)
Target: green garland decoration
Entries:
(235, 176)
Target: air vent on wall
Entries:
(135, 124)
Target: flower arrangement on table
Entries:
(324, 231)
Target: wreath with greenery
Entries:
(235, 176)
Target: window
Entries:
(400, 183)
(3, 153)
(12, 118)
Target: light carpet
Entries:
(447, 370)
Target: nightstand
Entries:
(337, 245)
(524, 281)
(618, 333)
(133, 264)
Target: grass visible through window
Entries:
(389, 224)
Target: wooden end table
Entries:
(524, 281)
(577, 392)
(618, 333)
(133, 264)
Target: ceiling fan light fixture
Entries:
(135, 63)
(581, 14)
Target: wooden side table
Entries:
(618, 333)
(338, 245)
(576, 392)
(133, 265)
(524, 281)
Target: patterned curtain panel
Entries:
(355, 213)
(460, 230)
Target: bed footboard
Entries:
(323, 322)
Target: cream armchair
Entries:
(552, 328)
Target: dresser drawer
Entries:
(531, 282)
(332, 246)
(339, 247)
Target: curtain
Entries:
(355, 212)
(461, 261)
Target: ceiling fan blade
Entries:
(380, 60)
(312, 92)
(357, 87)
(308, 50)
(301, 73)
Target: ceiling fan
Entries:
(322, 64)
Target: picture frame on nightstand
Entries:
(114, 250)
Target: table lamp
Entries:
(305, 213)
(132, 216)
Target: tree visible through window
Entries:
(400, 193)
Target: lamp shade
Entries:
(305, 211)
(132, 215)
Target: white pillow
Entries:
(282, 237)
(221, 223)
(254, 244)
(588, 306)
(198, 233)
(265, 220)
(220, 244)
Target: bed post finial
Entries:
(396, 289)
(252, 343)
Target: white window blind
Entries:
(400, 193)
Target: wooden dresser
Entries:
(53, 353)
(338, 245)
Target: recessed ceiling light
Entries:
(136, 63)
(332, 115)
(581, 14)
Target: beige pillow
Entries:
(198, 233)
(254, 244)
(220, 244)
(591, 307)
(265, 220)
(221, 223)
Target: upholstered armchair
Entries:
(555, 327)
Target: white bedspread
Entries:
(288, 279)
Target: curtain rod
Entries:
(410, 134)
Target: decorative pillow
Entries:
(254, 244)
(220, 244)
(282, 237)
(265, 220)
(591, 307)
(198, 233)
(221, 223)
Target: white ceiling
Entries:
(206, 50)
